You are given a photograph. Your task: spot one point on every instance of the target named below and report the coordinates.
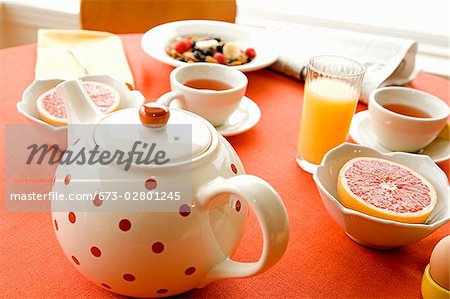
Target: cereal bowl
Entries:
(155, 41)
(372, 231)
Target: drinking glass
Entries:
(332, 88)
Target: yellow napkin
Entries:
(102, 52)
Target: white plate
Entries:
(246, 116)
(155, 41)
(361, 131)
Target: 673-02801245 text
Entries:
(132, 196)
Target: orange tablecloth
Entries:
(321, 261)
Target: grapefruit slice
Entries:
(52, 109)
(386, 190)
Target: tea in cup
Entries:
(406, 119)
(210, 90)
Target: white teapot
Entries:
(138, 247)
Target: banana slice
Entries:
(231, 51)
(205, 44)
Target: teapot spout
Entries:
(80, 109)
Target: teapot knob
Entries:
(154, 115)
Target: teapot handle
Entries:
(271, 214)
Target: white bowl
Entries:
(58, 134)
(372, 231)
(156, 40)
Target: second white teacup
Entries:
(406, 119)
(210, 90)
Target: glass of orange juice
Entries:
(332, 88)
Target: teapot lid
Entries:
(183, 136)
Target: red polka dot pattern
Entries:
(190, 271)
(150, 184)
(124, 225)
(96, 251)
(105, 286)
(162, 291)
(129, 277)
(56, 225)
(238, 205)
(158, 247)
(75, 260)
(67, 179)
(72, 217)
(185, 210)
(98, 200)
(233, 168)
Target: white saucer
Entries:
(361, 131)
(245, 117)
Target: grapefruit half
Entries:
(52, 109)
(386, 190)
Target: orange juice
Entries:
(328, 108)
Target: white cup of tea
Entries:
(406, 119)
(210, 90)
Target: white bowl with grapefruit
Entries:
(383, 201)
(43, 105)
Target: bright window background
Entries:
(426, 22)
(423, 17)
(67, 6)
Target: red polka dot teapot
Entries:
(127, 229)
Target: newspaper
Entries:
(388, 61)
